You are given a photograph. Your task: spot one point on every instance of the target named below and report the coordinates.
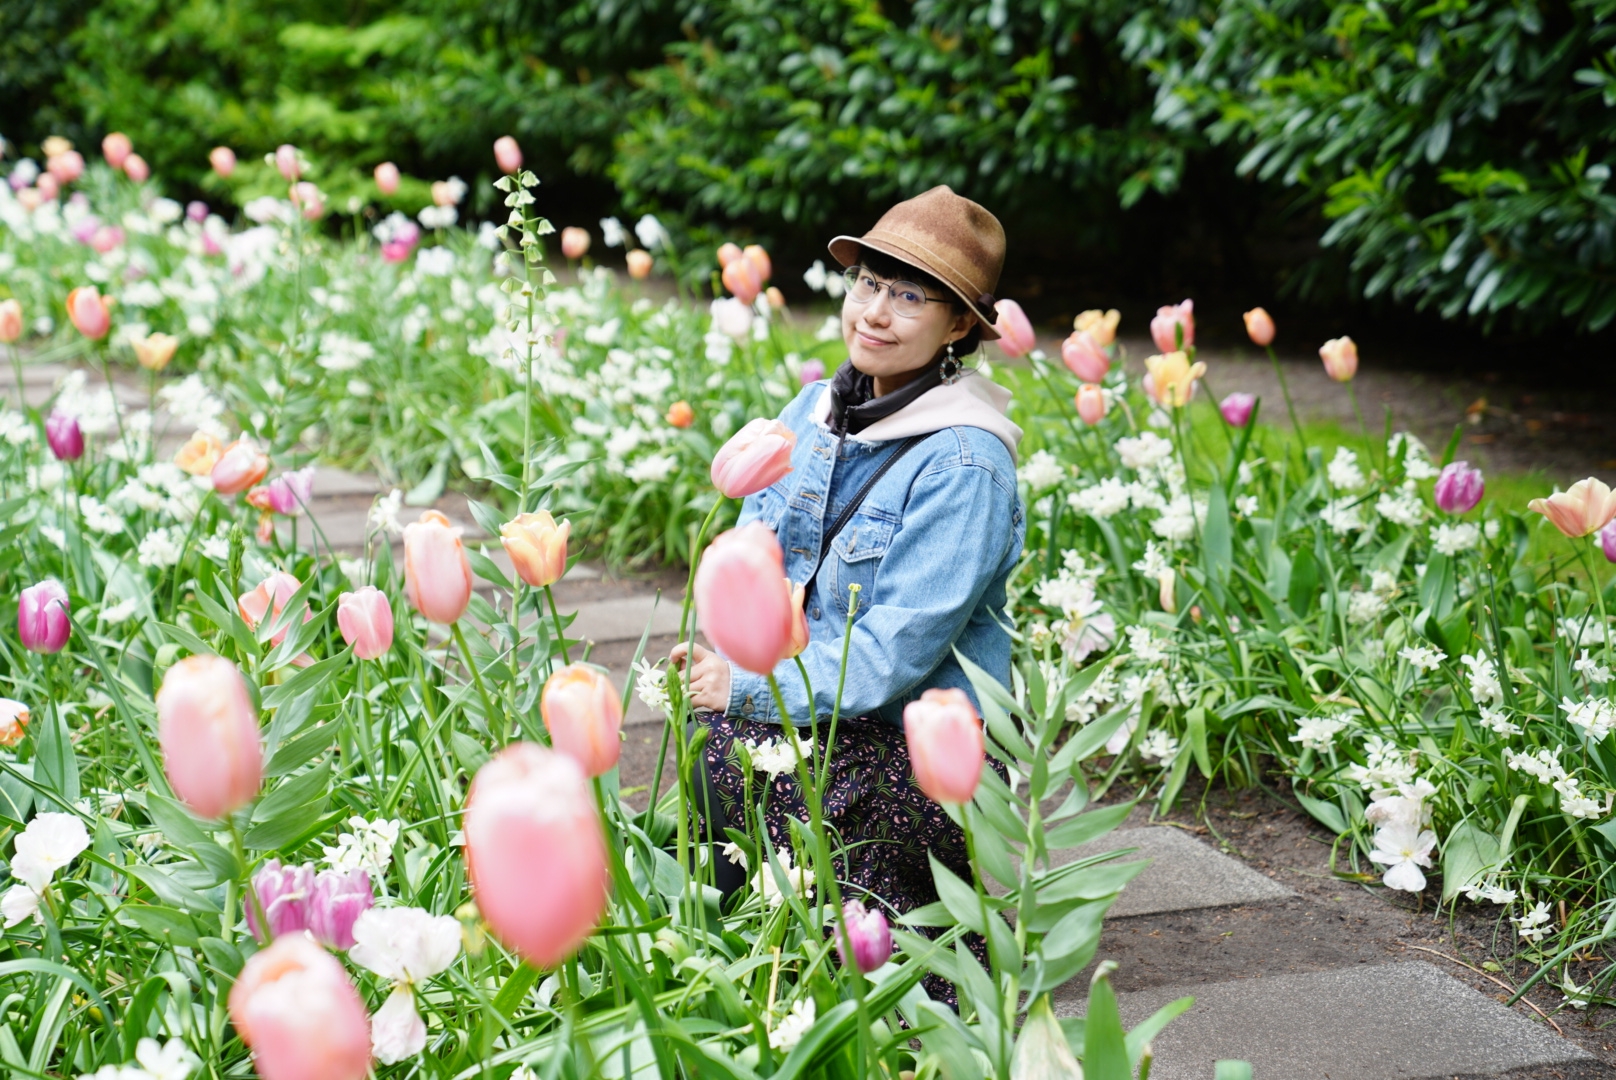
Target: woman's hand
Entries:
(709, 676)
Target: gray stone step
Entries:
(1184, 873)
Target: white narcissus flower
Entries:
(397, 1031)
(50, 842)
(406, 945)
(172, 1060)
(19, 904)
(1403, 849)
(790, 1030)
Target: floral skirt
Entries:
(886, 825)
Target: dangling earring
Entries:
(950, 367)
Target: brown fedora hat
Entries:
(950, 237)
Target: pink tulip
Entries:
(135, 167)
(584, 716)
(945, 744)
(535, 852)
(208, 731)
(386, 175)
(507, 154)
(283, 892)
(639, 264)
(741, 278)
(88, 312)
(396, 251)
(287, 164)
(728, 253)
(811, 372)
(759, 258)
(799, 619)
(870, 934)
(85, 228)
(338, 898)
(1015, 329)
(64, 436)
(1459, 488)
(1091, 403)
(307, 197)
(10, 320)
(755, 457)
(437, 574)
(289, 493)
(240, 467)
(1084, 357)
(1259, 327)
(366, 621)
(67, 167)
(1607, 540)
(196, 211)
(270, 598)
(223, 160)
(294, 1006)
(1585, 509)
(743, 604)
(116, 148)
(106, 238)
(1236, 408)
(43, 622)
(1165, 327)
(1340, 356)
(47, 187)
(574, 242)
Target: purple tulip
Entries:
(290, 492)
(811, 371)
(1236, 408)
(197, 211)
(870, 934)
(65, 437)
(283, 893)
(42, 617)
(1607, 540)
(339, 898)
(1459, 488)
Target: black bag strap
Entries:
(858, 498)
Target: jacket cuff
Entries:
(749, 696)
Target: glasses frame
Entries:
(853, 273)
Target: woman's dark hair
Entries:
(884, 265)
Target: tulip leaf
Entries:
(1105, 1049)
(162, 923)
(1088, 825)
(299, 790)
(57, 766)
(1468, 853)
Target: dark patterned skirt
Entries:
(885, 823)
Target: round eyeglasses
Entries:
(908, 299)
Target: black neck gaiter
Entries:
(854, 406)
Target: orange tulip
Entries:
(681, 415)
(743, 604)
(89, 312)
(240, 467)
(742, 279)
(10, 320)
(727, 254)
(944, 736)
(777, 299)
(639, 264)
(760, 261)
(1259, 327)
(207, 729)
(200, 454)
(437, 574)
(116, 148)
(13, 720)
(584, 715)
(574, 242)
(1340, 356)
(294, 1006)
(1091, 403)
(1588, 507)
(537, 547)
(154, 351)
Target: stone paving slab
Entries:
(625, 619)
(1184, 874)
(1397, 1021)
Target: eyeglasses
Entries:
(908, 299)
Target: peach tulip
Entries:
(154, 351)
(755, 457)
(308, 198)
(759, 258)
(1170, 321)
(10, 320)
(1340, 356)
(1091, 403)
(945, 744)
(728, 253)
(1015, 329)
(537, 547)
(639, 264)
(270, 598)
(295, 1007)
(1259, 327)
(741, 278)
(437, 574)
(223, 160)
(535, 852)
(55, 146)
(507, 154)
(1585, 509)
(776, 298)
(67, 166)
(200, 454)
(583, 713)
(14, 717)
(799, 619)
(239, 467)
(574, 242)
(116, 148)
(207, 729)
(107, 237)
(47, 186)
(1084, 357)
(30, 199)
(136, 169)
(366, 621)
(1099, 325)
(386, 175)
(743, 603)
(680, 414)
(287, 163)
(445, 193)
(89, 313)
(1172, 378)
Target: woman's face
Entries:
(893, 348)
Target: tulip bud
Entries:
(1607, 543)
(742, 602)
(870, 934)
(741, 278)
(1084, 357)
(1172, 378)
(283, 894)
(269, 598)
(776, 298)
(386, 175)
(1016, 337)
(799, 619)
(639, 264)
(66, 167)
(88, 312)
(755, 457)
(1459, 488)
(1167, 590)
(1259, 327)
(64, 436)
(728, 253)
(307, 197)
(55, 146)
(681, 415)
(1099, 325)
(10, 320)
(200, 454)
(287, 163)
(444, 194)
(437, 574)
(535, 852)
(47, 187)
(154, 351)
(239, 467)
(196, 211)
(207, 729)
(574, 242)
(945, 743)
(136, 169)
(1091, 403)
(294, 1006)
(43, 621)
(811, 372)
(1585, 509)
(223, 160)
(1340, 356)
(537, 547)
(759, 258)
(366, 621)
(116, 148)
(335, 903)
(584, 715)
(1236, 408)
(106, 237)
(14, 718)
(1170, 321)
(507, 154)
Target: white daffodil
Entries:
(1403, 849)
(50, 842)
(790, 1030)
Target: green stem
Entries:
(1290, 406)
(476, 675)
(561, 635)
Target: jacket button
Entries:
(816, 613)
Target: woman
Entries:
(930, 546)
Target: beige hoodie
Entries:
(973, 401)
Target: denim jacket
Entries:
(931, 548)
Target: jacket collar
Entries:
(972, 401)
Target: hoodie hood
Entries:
(973, 401)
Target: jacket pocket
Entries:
(856, 556)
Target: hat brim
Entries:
(845, 250)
